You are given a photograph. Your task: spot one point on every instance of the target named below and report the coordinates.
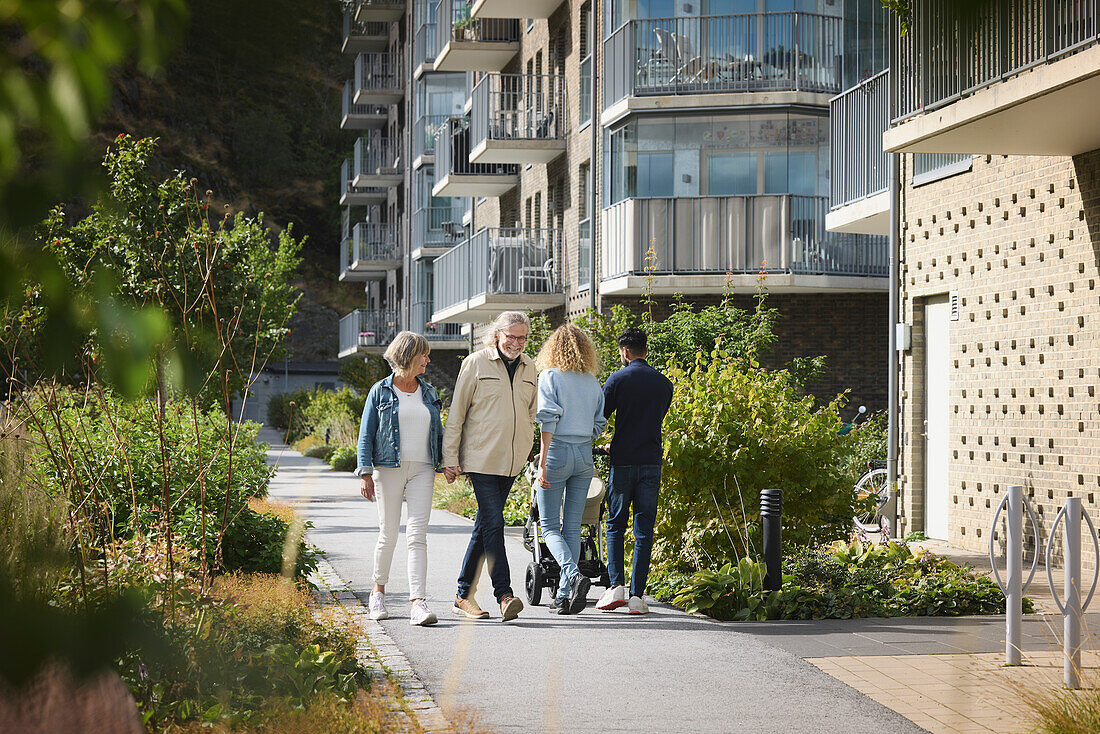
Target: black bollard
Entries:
(771, 517)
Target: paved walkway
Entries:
(670, 671)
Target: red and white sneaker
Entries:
(637, 605)
(613, 598)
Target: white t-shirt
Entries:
(414, 422)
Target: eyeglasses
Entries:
(516, 339)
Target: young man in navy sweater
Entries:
(641, 396)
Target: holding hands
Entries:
(451, 473)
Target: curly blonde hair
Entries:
(569, 349)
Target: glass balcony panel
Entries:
(517, 118)
(365, 331)
(464, 43)
(455, 175)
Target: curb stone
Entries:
(377, 647)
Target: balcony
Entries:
(456, 176)
(424, 131)
(352, 195)
(361, 37)
(361, 116)
(465, 43)
(707, 245)
(436, 229)
(792, 56)
(859, 195)
(498, 270)
(541, 9)
(379, 78)
(517, 118)
(424, 49)
(367, 331)
(371, 250)
(377, 162)
(1011, 77)
(379, 11)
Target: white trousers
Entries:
(414, 482)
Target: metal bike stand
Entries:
(1073, 609)
(1014, 560)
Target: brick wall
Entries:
(1018, 239)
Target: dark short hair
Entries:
(635, 340)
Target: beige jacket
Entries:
(490, 424)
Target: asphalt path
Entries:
(594, 672)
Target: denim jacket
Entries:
(379, 432)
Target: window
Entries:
(584, 235)
(731, 174)
(587, 76)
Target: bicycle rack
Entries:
(1073, 609)
(1014, 560)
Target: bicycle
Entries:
(872, 493)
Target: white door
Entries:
(937, 318)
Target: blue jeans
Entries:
(569, 471)
(487, 540)
(632, 485)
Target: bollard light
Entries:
(771, 517)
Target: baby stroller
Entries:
(543, 571)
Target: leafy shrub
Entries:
(732, 432)
(343, 458)
(333, 415)
(459, 499)
(320, 451)
(843, 581)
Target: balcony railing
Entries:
(372, 247)
(424, 130)
(509, 262)
(952, 52)
(424, 45)
(454, 25)
(360, 116)
(352, 195)
(516, 107)
(733, 234)
(379, 78)
(754, 52)
(377, 161)
(430, 226)
(359, 37)
(857, 120)
(452, 162)
(367, 329)
(422, 324)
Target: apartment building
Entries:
(990, 111)
(558, 155)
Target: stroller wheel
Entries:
(533, 583)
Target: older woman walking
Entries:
(400, 449)
(570, 412)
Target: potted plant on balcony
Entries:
(465, 28)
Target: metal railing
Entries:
(355, 30)
(786, 51)
(428, 223)
(517, 107)
(925, 165)
(453, 23)
(422, 324)
(379, 72)
(347, 188)
(371, 242)
(733, 234)
(424, 44)
(348, 107)
(375, 154)
(954, 49)
(495, 261)
(857, 120)
(424, 130)
(452, 153)
(367, 328)
(584, 252)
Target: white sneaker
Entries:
(613, 598)
(637, 605)
(377, 606)
(420, 615)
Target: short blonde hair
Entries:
(404, 348)
(569, 349)
(505, 320)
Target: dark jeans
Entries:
(637, 486)
(487, 540)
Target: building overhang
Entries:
(357, 198)
(1051, 109)
(517, 151)
(486, 307)
(869, 215)
(747, 284)
(359, 351)
(448, 345)
(710, 102)
(378, 96)
(355, 121)
(541, 9)
(354, 44)
(480, 184)
(422, 253)
(366, 270)
(379, 12)
(475, 55)
(383, 177)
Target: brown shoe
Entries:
(510, 607)
(468, 608)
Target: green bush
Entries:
(321, 451)
(336, 413)
(343, 458)
(843, 581)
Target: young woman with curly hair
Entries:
(570, 413)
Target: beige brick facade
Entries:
(1018, 239)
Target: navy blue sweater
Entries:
(641, 396)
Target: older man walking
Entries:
(488, 437)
